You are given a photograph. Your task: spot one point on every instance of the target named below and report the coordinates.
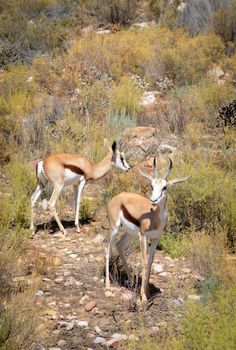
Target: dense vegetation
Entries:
(61, 85)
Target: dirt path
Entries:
(79, 279)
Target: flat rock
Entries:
(84, 299)
(90, 305)
(98, 239)
(194, 297)
(97, 330)
(99, 340)
(70, 326)
(61, 342)
(157, 268)
(163, 274)
(82, 323)
(59, 280)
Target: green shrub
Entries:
(206, 200)
(125, 97)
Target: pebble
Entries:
(37, 346)
(70, 326)
(82, 323)
(61, 342)
(97, 330)
(73, 256)
(98, 239)
(83, 300)
(118, 336)
(39, 293)
(186, 270)
(90, 305)
(99, 340)
(109, 294)
(59, 280)
(194, 297)
(163, 274)
(157, 268)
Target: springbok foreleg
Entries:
(143, 248)
(152, 250)
(113, 235)
(121, 244)
(51, 205)
(34, 199)
(78, 194)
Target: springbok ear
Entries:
(149, 177)
(113, 146)
(176, 181)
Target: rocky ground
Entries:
(77, 311)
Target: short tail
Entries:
(40, 174)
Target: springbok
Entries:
(63, 169)
(142, 218)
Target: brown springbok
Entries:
(63, 169)
(142, 218)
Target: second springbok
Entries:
(63, 169)
(143, 218)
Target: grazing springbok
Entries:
(142, 218)
(63, 169)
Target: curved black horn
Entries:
(155, 167)
(167, 173)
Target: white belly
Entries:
(129, 227)
(72, 178)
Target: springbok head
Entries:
(118, 158)
(159, 186)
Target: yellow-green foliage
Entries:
(208, 254)
(20, 320)
(15, 205)
(116, 55)
(66, 135)
(125, 97)
(202, 327)
(205, 200)
(186, 59)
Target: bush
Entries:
(125, 98)
(223, 22)
(116, 12)
(205, 201)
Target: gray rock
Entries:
(118, 336)
(82, 323)
(61, 342)
(37, 346)
(39, 293)
(70, 326)
(157, 268)
(98, 239)
(195, 15)
(99, 340)
(97, 330)
(194, 297)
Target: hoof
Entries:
(77, 230)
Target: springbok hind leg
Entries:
(121, 244)
(51, 206)
(34, 199)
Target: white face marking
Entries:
(120, 162)
(72, 178)
(158, 190)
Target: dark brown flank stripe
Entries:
(129, 217)
(74, 168)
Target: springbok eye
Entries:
(164, 188)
